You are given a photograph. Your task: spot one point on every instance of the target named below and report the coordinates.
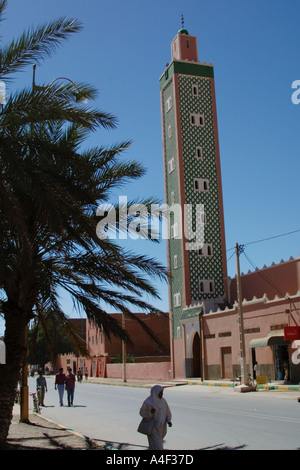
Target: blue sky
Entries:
(254, 46)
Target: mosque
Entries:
(217, 324)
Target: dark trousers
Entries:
(70, 394)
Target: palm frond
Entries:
(24, 108)
(35, 45)
(3, 5)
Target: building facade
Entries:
(271, 304)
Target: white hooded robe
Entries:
(162, 416)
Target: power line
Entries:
(250, 243)
(264, 277)
(266, 239)
(283, 295)
(230, 255)
(271, 238)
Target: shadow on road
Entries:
(113, 445)
(40, 435)
(223, 447)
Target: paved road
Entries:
(203, 417)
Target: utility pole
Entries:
(239, 249)
(24, 406)
(202, 362)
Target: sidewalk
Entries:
(43, 434)
(276, 385)
(141, 383)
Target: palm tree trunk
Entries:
(16, 351)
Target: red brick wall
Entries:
(142, 343)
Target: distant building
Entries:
(105, 352)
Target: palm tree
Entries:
(49, 193)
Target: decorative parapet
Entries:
(263, 300)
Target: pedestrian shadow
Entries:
(113, 445)
(64, 406)
(223, 447)
(77, 406)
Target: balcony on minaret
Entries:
(184, 47)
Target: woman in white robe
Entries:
(155, 406)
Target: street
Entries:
(203, 417)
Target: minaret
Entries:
(192, 181)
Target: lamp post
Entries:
(24, 406)
(79, 97)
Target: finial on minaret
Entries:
(183, 30)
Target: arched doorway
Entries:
(196, 355)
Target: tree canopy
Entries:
(50, 188)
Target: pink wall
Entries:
(179, 347)
(149, 370)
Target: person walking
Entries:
(155, 406)
(255, 370)
(41, 388)
(70, 386)
(60, 380)
(79, 375)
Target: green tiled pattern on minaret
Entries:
(209, 268)
(171, 185)
(206, 268)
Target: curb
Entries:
(119, 384)
(164, 384)
(270, 386)
(213, 384)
